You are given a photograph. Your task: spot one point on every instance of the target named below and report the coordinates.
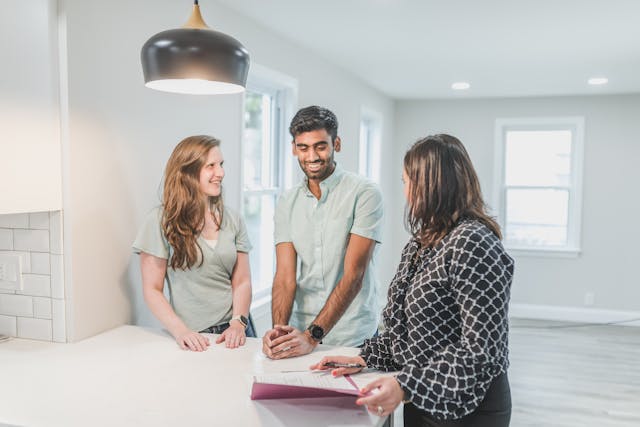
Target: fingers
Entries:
(387, 398)
(284, 328)
(371, 386)
(328, 360)
(193, 341)
(232, 338)
(284, 351)
(344, 371)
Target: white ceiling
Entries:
(504, 48)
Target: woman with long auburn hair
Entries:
(200, 247)
(446, 326)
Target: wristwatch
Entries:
(316, 332)
(240, 318)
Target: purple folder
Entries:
(261, 391)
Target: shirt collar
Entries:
(327, 184)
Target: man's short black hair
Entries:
(312, 118)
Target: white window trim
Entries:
(375, 149)
(266, 80)
(576, 124)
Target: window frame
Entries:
(575, 124)
(283, 90)
(369, 153)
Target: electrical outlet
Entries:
(589, 299)
(10, 272)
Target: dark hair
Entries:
(443, 189)
(184, 206)
(312, 118)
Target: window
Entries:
(370, 136)
(538, 183)
(267, 108)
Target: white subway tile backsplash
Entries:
(25, 259)
(35, 329)
(39, 221)
(55, 232)
(36, 285)
(37, 311)
(40, 263)
(16, 305)
(6, 239)
(59, 321)
(14, 220)
(42, 307)
(8, 325)
(57, 276)
(31, 240)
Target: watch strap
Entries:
(317, 332)
(240, 318)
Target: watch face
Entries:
(244, 320)
(317, 332)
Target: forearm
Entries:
(163, 311)
(282, 296)
(342, 296)
(241, 295)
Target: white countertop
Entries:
(131, 376)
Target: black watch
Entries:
(317, 332)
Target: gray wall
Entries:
(611, 204)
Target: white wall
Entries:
(29, 131)
(610, 252)
(121, 134)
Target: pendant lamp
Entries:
(195, 59)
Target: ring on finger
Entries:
(380, 410)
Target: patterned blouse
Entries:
(446, 326)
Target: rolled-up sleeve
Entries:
(150, 238)
(282, 223)
(243, 244)
(368, 215)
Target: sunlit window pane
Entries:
(537, 217)
(548, 206)
(257, 140)
(258, 214)
(538, 158)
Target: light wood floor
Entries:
(578, 377)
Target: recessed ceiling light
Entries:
(460, 86)
(598, 81)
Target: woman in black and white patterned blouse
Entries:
(446, 326)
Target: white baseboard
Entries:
(573, 314)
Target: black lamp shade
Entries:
(194, 60)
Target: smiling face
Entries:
(212, 173)
(315, 151)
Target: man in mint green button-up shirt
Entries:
(326, 231)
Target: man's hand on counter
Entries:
(285, 341)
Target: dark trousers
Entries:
(494, 410)
(218, 329)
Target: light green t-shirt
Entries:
(201, 295)
(319, 231)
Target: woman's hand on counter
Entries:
(190, 340)
(234, 336)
